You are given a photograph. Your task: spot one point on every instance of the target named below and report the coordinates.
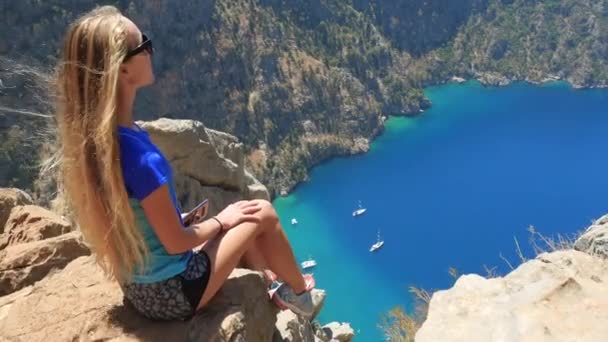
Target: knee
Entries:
(267, 214)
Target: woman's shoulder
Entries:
(136, 149)
(131, 139)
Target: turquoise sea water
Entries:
(450, 188)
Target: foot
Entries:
(272, 280)
(270, 277)
(285, 298)
(309, 281)
(300, 304)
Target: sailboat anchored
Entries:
(359, 211)
(379, 243)
(310, 263)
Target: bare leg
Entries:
(227, 250)
(253, 259)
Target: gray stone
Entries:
(594, 240)
(292, 328)
(493, 79)
(341, 332)
(206, 163)
(187, 144)
(318, 300)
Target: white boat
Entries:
(379, 243)
(310, 263)
(294, 221)
(359, 211)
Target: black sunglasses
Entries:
(146, 45)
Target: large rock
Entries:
(293, 328)
(493, 79)
(191, 150)
(9, 198)
(23, 264)
(28, 223)
(207, 163)
(79, 304)
(255, 189)
(318, 300)
(193, 192)
(341, 332)
(594, 240)
(560, 296)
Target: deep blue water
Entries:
(450, 188)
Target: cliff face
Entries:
(206, 164)
(301, 81)
(532, 41)
(80, 304)
(559, 296)
(268, 72)
(419, 27)
(43, 259)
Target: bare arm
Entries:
(163, 218)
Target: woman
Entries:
(120, 186)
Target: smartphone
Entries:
(197, 213)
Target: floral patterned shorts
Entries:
(175, 298)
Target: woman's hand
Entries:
(239, 212)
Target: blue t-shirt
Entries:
(145, 169)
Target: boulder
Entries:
(290, 327)
(318, 300)
(341, 332)
(493, 79)
(559, 296)
(24, 264)
(189, 147)
(594, 240)
(206, 163)
(28, 223)
(9, 198)
(79, 303)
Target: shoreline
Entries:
(481, 78)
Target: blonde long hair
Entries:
(89, 157)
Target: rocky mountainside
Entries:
(80, 304)
(419, 27)
(559, 296)
(301, 81)
(51, 288)
(532, 40)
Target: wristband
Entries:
(218, 221)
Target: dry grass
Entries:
(401, 326)
(541, 244)
(454, 272)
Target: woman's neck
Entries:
(124, 107)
